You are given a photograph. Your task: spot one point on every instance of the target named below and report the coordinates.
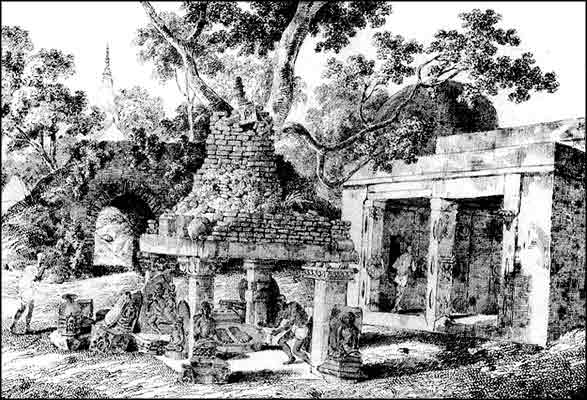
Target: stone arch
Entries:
(131, 197)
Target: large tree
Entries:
(39, 112)
(471, 54)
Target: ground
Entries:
(398, 363)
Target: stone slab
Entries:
(209, 249)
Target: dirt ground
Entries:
(398, 363)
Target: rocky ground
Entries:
(398, 363)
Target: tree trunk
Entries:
(217, 103)
(190, 108)
(286, 54)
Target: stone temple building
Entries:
(495, 222)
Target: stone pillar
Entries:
(509, 216)
(371, 246)
(329, 290)
(443, 218)
(258, 278)
(531, 279)
(200, 275)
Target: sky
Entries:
(553, 31)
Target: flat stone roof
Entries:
(531, 148)
(566, 131)
(210, 250)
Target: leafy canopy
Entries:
(355, 106)
(37, 107)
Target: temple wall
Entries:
(567, 271)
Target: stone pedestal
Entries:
(348, 370)
(329, 290)
(443, 218)
(200, 275)
(371, 244)
(258, 279)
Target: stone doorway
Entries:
(476, 286)
(406, 224)
(118, 228)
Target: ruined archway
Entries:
(117, 230)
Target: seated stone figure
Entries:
(204, 366)
(343, 358)
(205, 339)
(114, 333)
(347, 337)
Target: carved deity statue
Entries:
(347, 336)
(205, 332)
(343, 340)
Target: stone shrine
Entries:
(496, 225)
(235, 212)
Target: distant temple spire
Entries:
(106, 100)
(107, 74)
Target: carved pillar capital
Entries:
(197, 266)
(374, 209)
(332, 272)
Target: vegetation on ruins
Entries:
(347, 130)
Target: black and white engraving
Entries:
(308, 199)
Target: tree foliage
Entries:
(38, 110)
(355, 90)
(138, 109)
(346, 129)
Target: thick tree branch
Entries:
(184, 93)
(217, 103)
(200, 24)
(301, 131)
(281, 97)
(50, 162)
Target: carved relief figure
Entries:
(160, 313)
(347, 336)
(343, 339)
(177, 341)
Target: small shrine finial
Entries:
(239, 90)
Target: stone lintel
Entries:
(209, 250)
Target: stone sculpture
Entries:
(199, 228)
(344, 358)
(114, 333)
(204, 366)
(74, 323)
(159, 314)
